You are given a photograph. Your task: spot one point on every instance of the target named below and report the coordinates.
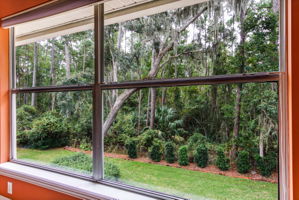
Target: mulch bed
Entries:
(209, 169)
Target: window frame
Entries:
(99, 86)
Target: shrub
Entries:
(201, 156)
(83, 163)
(193, 142)
(49, 131)
(169, 149)
(267, 164)
(25, 115)
(146, 139)
(183, 156)
(243, 162)
(131, 148)
(155, 152)
(222, 162)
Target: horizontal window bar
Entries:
(65, 88)
(209, 80)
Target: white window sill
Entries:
(72, 186)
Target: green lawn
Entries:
(190, 184)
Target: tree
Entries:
(35, 63)
(164, 48)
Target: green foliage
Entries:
(193, 142)
(168, 122)
(86, 145)
(267, 164)
(183, 158)
(222, 161)
(131, 146)
(49, 131)
(155, 151)
(25, 115)
(243, 162)
(83, 162)
(146, 139)
(201, 156)
(124, 125)
(169, 152)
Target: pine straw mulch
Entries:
(209, 169)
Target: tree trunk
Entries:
(261, 144)
(84, 58)
(115, 65)
(239, 86)
(276, 5)
(148, 108)
(67, 60)
(153, 72)
(153, 107)
(35, 62)
(139, 111)
(53, 76)
(163, 101)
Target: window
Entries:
(163, 98)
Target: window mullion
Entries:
(13, 130)
(98, 138)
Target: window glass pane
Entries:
(63, 60)
(203, 39)
(199, 142)
(55, 129)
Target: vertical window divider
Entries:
(97, 137)
(12, 72)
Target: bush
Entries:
(146, 139)
(169, 152)
(193, 142)
(183, 156)
(155, 152)
(222, 162)
(243, 162)
(201, 156)
(49, 131)
(83, 163)
(25, 115)
(131, 148)
(267, 164)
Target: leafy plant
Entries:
(169, 152)
(83, 163)
(183, 156)
(131, 146)
(49, 131)
(243, 162)
(222, 161)
(25, 115)
(201, 156)
(146, 139)
(267, 164)
(155, 152)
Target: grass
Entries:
(44, 156)
(190, 184)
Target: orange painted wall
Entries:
(25, 191)
(9, 7)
